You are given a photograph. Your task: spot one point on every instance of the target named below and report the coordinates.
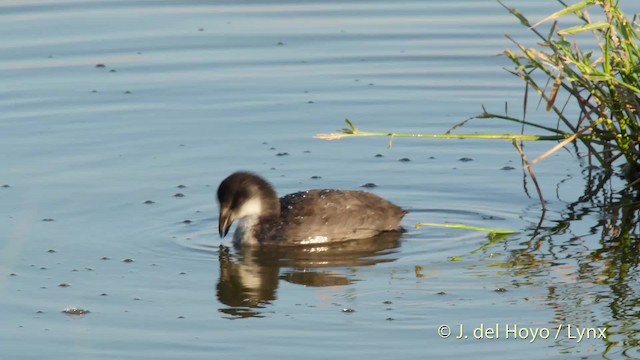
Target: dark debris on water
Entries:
(75, 311)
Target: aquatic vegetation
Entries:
(468, 227)
(599, 78)
(603, 81)
(493, 235)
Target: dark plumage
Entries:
(307, 217)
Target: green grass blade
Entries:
(583, 28)
(353, 131)
(353, 128)
(523, 20)
(568, 10)
(468, 227)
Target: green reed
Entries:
(603, 81)
(593, 94)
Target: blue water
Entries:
(109, 104)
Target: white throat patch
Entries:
(252, 207)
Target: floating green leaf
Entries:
(468, 227)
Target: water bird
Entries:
(301, 218)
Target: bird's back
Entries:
(318, 216)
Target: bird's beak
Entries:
(224, 223)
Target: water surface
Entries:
(110, 109)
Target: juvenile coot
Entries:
(306, 217)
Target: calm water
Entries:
(107, 105)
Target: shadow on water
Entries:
(249, 276)
(588, 259)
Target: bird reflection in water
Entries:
(249, 276)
